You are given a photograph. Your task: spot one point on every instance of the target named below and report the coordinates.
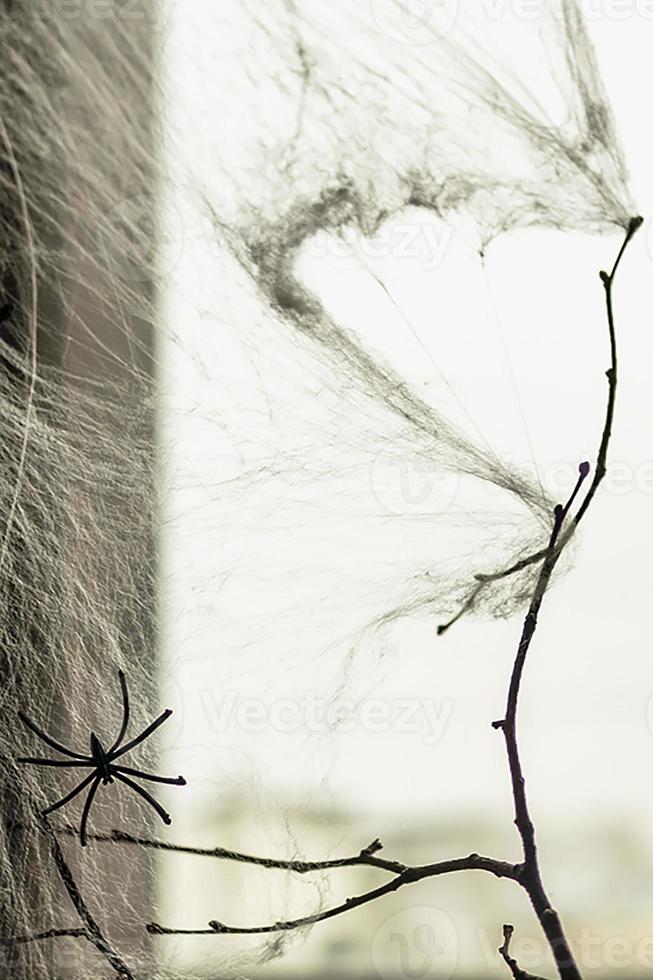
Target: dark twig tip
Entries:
(217, 926)
(498, 724)
(634, 224)
(584, 470)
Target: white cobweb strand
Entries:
(330, 125)
(32, 319)
(445, 122)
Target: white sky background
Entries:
(523, 355)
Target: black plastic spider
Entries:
(101, 761)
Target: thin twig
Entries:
(608, 281)
(367, 857)
(474, 862)
(92, 930)
(531, 878)
(511, 962)
(485, 579)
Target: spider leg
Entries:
(141, 738)
(46, 738)
(74, 763)
(87, 809)
(146, 796)
(170, 780)
(125, 712)
(71, 796)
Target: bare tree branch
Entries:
(366, 857)
(608, 281)
(474, 862)
(531, 878)
(599, 472)
(91, 928)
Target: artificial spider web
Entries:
(101, 761)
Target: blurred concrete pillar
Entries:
(92, 343)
